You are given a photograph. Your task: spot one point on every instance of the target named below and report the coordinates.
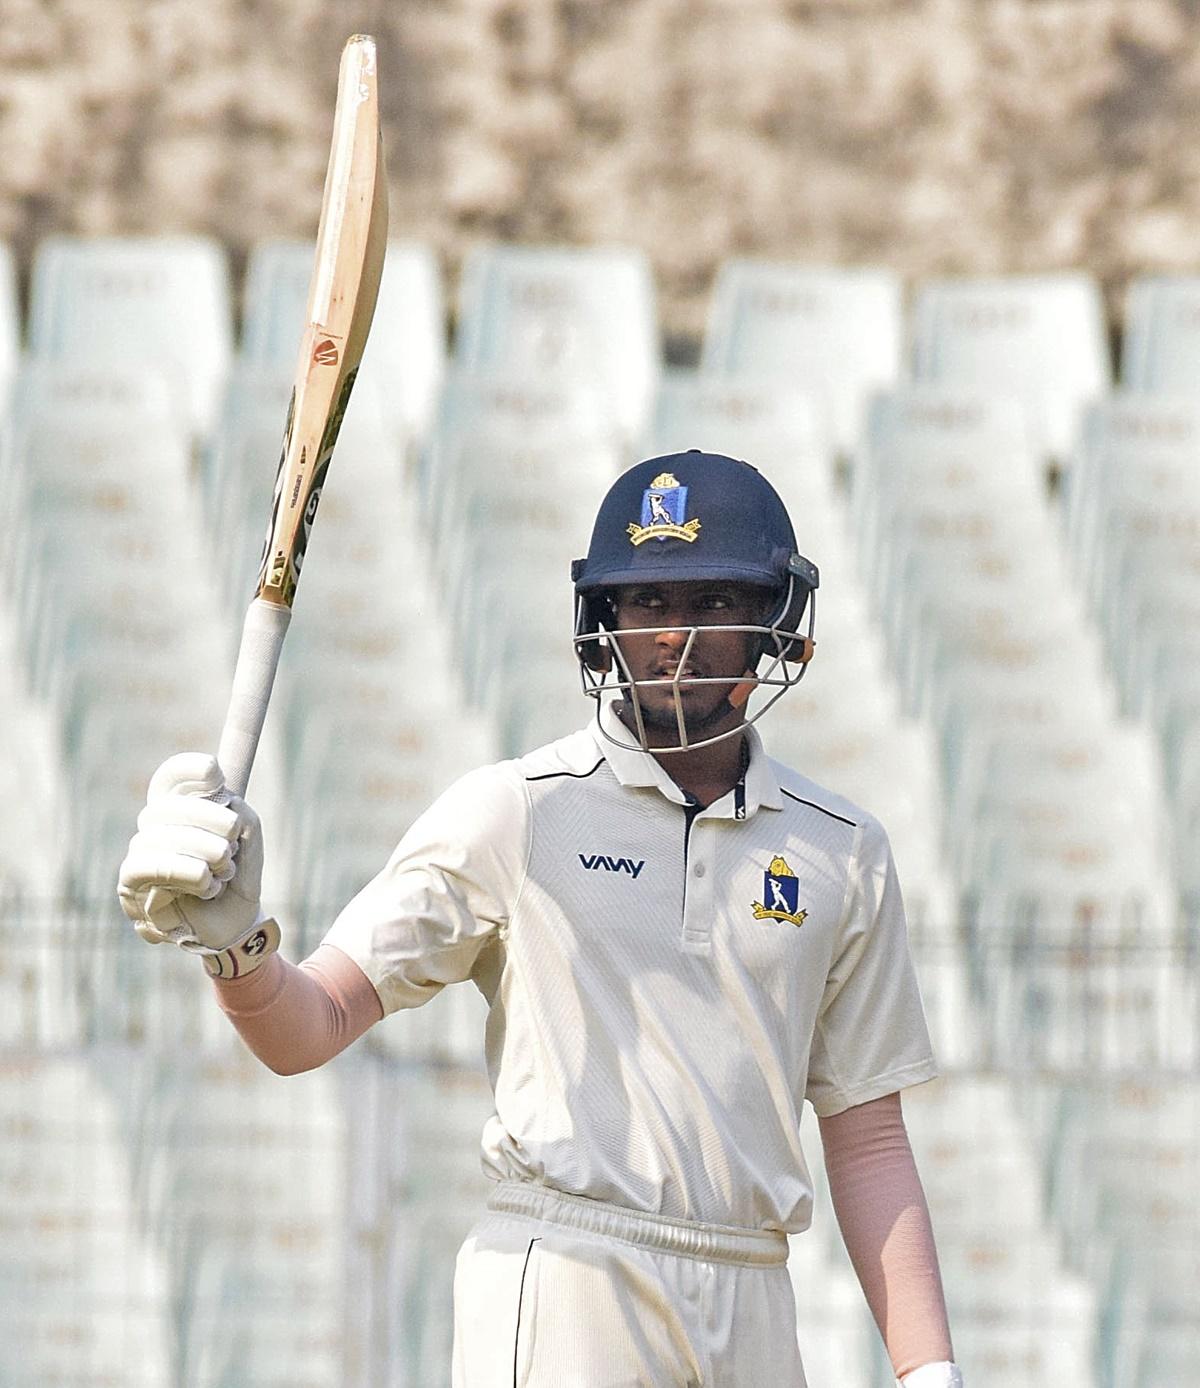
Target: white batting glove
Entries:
(193, 872)
(942, 1375)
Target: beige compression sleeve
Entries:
(295, 1017)
(884, 1219)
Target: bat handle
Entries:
(263, 631)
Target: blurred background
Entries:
(933, 266)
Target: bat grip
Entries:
(263, 631)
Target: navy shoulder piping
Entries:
(814, 806)
(576, 775)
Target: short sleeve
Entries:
(870, 1037)
(446, 892)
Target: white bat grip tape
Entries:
(265, 627)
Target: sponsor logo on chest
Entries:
(601, 862)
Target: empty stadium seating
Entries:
(836, 334)
(161, 303)
(1006, 674)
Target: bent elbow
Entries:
(287, 1063)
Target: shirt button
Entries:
(698, 870)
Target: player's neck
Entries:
(708, 772)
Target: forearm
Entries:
(884, 1219)
(296, 1017)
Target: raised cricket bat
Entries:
(351, 240)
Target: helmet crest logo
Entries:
(664, 512)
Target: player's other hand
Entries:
(193, 871)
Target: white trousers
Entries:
(554, 1291)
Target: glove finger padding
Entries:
(205, 852)
(188, 773)
(181, 859)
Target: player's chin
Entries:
(705, 709)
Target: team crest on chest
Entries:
(664, 513)
(781, 895)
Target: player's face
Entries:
(655, 658)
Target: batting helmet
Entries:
(694, 517)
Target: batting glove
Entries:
(943, 1375)
(193, 872)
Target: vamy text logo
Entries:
(601, 862)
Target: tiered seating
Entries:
(1160, 345)
(121, 667)
(1133, 528)
(99, 478)
(1019, 1315)
(1123, 1171)
(257, 1277)
(10, 320)
(964, 682)
(834, 334)
(85, 1298)
(160, 303)
(986, 627)
(433, 1118)
(553, 313)
(1038, 338)
(519, 459)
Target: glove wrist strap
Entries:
(244, 955)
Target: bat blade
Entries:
(351, 242)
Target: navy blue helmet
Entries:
(695, 517)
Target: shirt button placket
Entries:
(698, 893)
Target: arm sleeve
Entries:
(296, 1017)
(445, 895)
(884, 1219)
(870, 1037)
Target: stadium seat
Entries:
(81, 395)
(162, 303)
(578, 314)
(1132, 523)
(1018, 1313)
(1039, 338)
(10, 320)
(958, 448)
(834, 335)
(532, 406)
(1160, 347)
(243, 1273)
(771, 424)
(84, 1296)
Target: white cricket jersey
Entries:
(666, 984)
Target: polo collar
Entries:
(633, 767)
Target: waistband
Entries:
(713, 1243)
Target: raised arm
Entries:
(881, 1210)
(296, 1017)
(193, 876)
